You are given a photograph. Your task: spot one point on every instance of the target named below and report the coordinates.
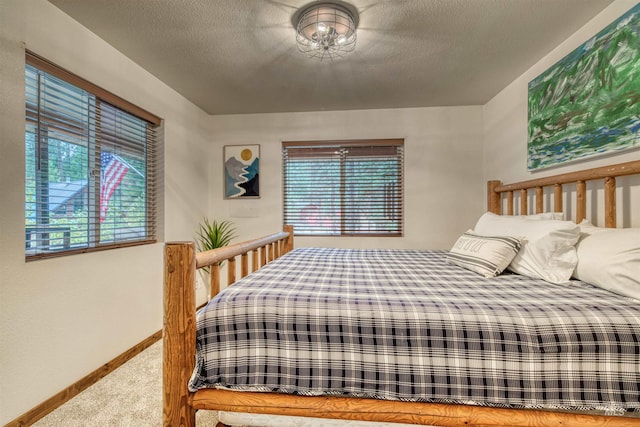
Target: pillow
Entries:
(548, 247)
(487, 255)
(610, 258)
(544, 215)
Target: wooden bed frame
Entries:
(181, 263)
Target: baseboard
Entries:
(73, 390)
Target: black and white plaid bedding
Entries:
(405, 325)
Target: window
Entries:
(90, 166)
(352, 188)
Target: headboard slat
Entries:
(610, 202)
(510, 202)
(524, 209)
(539, 200)
(557, 199)
(581, 201)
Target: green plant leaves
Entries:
(214, 234)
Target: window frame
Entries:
(150, 151)
(325, 147)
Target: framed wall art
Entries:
(241, 171)
(588, 103)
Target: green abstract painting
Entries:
(588, 103)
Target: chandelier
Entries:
(326, 30)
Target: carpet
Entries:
(130, 396)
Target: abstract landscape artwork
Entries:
(588, 103)
(241, 171)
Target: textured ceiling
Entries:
(239, 56)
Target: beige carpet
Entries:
(131, 396)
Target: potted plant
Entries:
(214, 234)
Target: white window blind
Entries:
(352, 188)
(90, 166)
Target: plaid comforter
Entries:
(405, 325)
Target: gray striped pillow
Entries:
(487, 255)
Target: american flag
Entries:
(112, 170)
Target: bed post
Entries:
(493, 198)
(179, 335)
(288, 246)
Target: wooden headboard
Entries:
(495, 190)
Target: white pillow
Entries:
(548, 246)
(610, 258)
(487, 255)
(544, 215)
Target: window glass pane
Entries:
(343, 190)
(57, 167)
(67, 187)
(123, 185)
(370, 191)
(56, 211)
(30, 164)
(313, 195)
(87, 169)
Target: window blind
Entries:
(90, 166)
(352, 188)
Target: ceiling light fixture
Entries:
(326, 30)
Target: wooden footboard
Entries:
(179, 335)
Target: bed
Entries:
(440, 378)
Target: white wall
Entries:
(505, 131)
(444, 192)
(62, 318)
